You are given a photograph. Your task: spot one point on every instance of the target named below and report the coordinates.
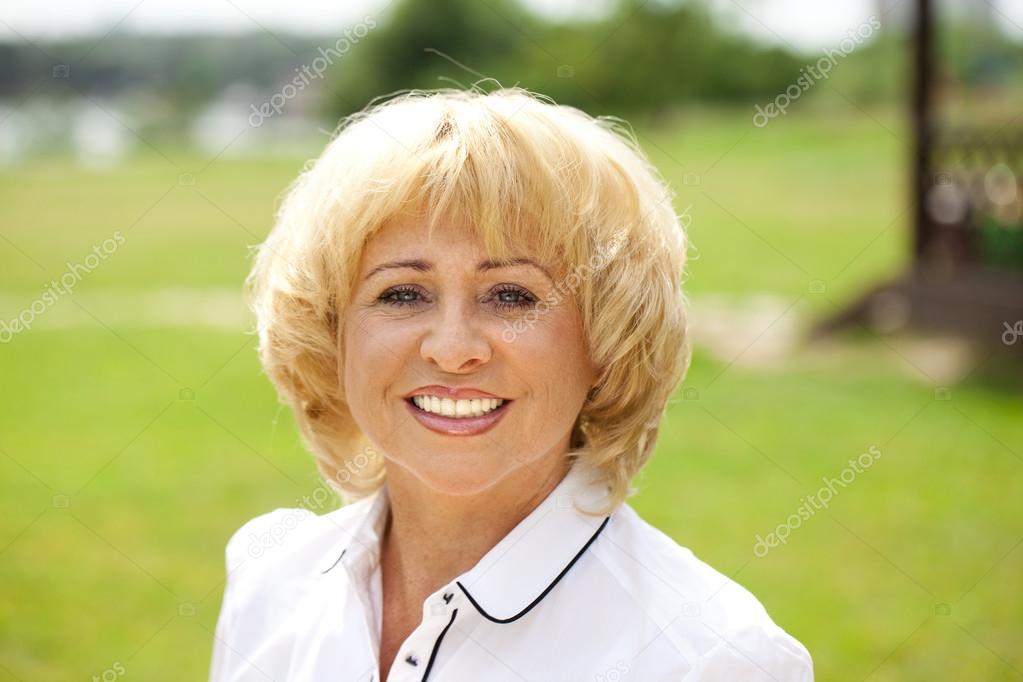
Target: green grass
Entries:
(119, 488)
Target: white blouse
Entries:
(564, 596)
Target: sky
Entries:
(805, 24)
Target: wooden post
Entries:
(923, 65)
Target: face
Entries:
(434, 324)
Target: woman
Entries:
(473, 304)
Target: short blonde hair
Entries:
(517, 169)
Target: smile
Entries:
(457, 417)
(459, 409)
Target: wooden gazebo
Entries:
(966, 274)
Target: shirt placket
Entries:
(418, 658)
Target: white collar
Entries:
(521, 569)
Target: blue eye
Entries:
(400, 296)
(508, 297)
(504, 297)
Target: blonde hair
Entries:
(519, 170)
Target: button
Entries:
(412, 660)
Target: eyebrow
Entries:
(425, 266)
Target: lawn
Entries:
(133, 442)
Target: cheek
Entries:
(373, 357)
(552, 359)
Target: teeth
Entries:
(458, 409)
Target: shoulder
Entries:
(288, 540)
(717, 625)
(256, 536)
(271, 562)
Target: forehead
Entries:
(407, 235)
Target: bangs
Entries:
(518, 181)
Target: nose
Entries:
(454, 341)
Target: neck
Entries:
(432, 537)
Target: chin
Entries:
(461, 488)
(463, 477)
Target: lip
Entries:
(450, 426)
(452, 393)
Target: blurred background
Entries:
(849, 441)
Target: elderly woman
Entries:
(473, 304)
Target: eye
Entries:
(504, 297)
(401, 296)
(511, 297)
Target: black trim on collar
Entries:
(336, 561)
(436, 645)
(542, 594)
